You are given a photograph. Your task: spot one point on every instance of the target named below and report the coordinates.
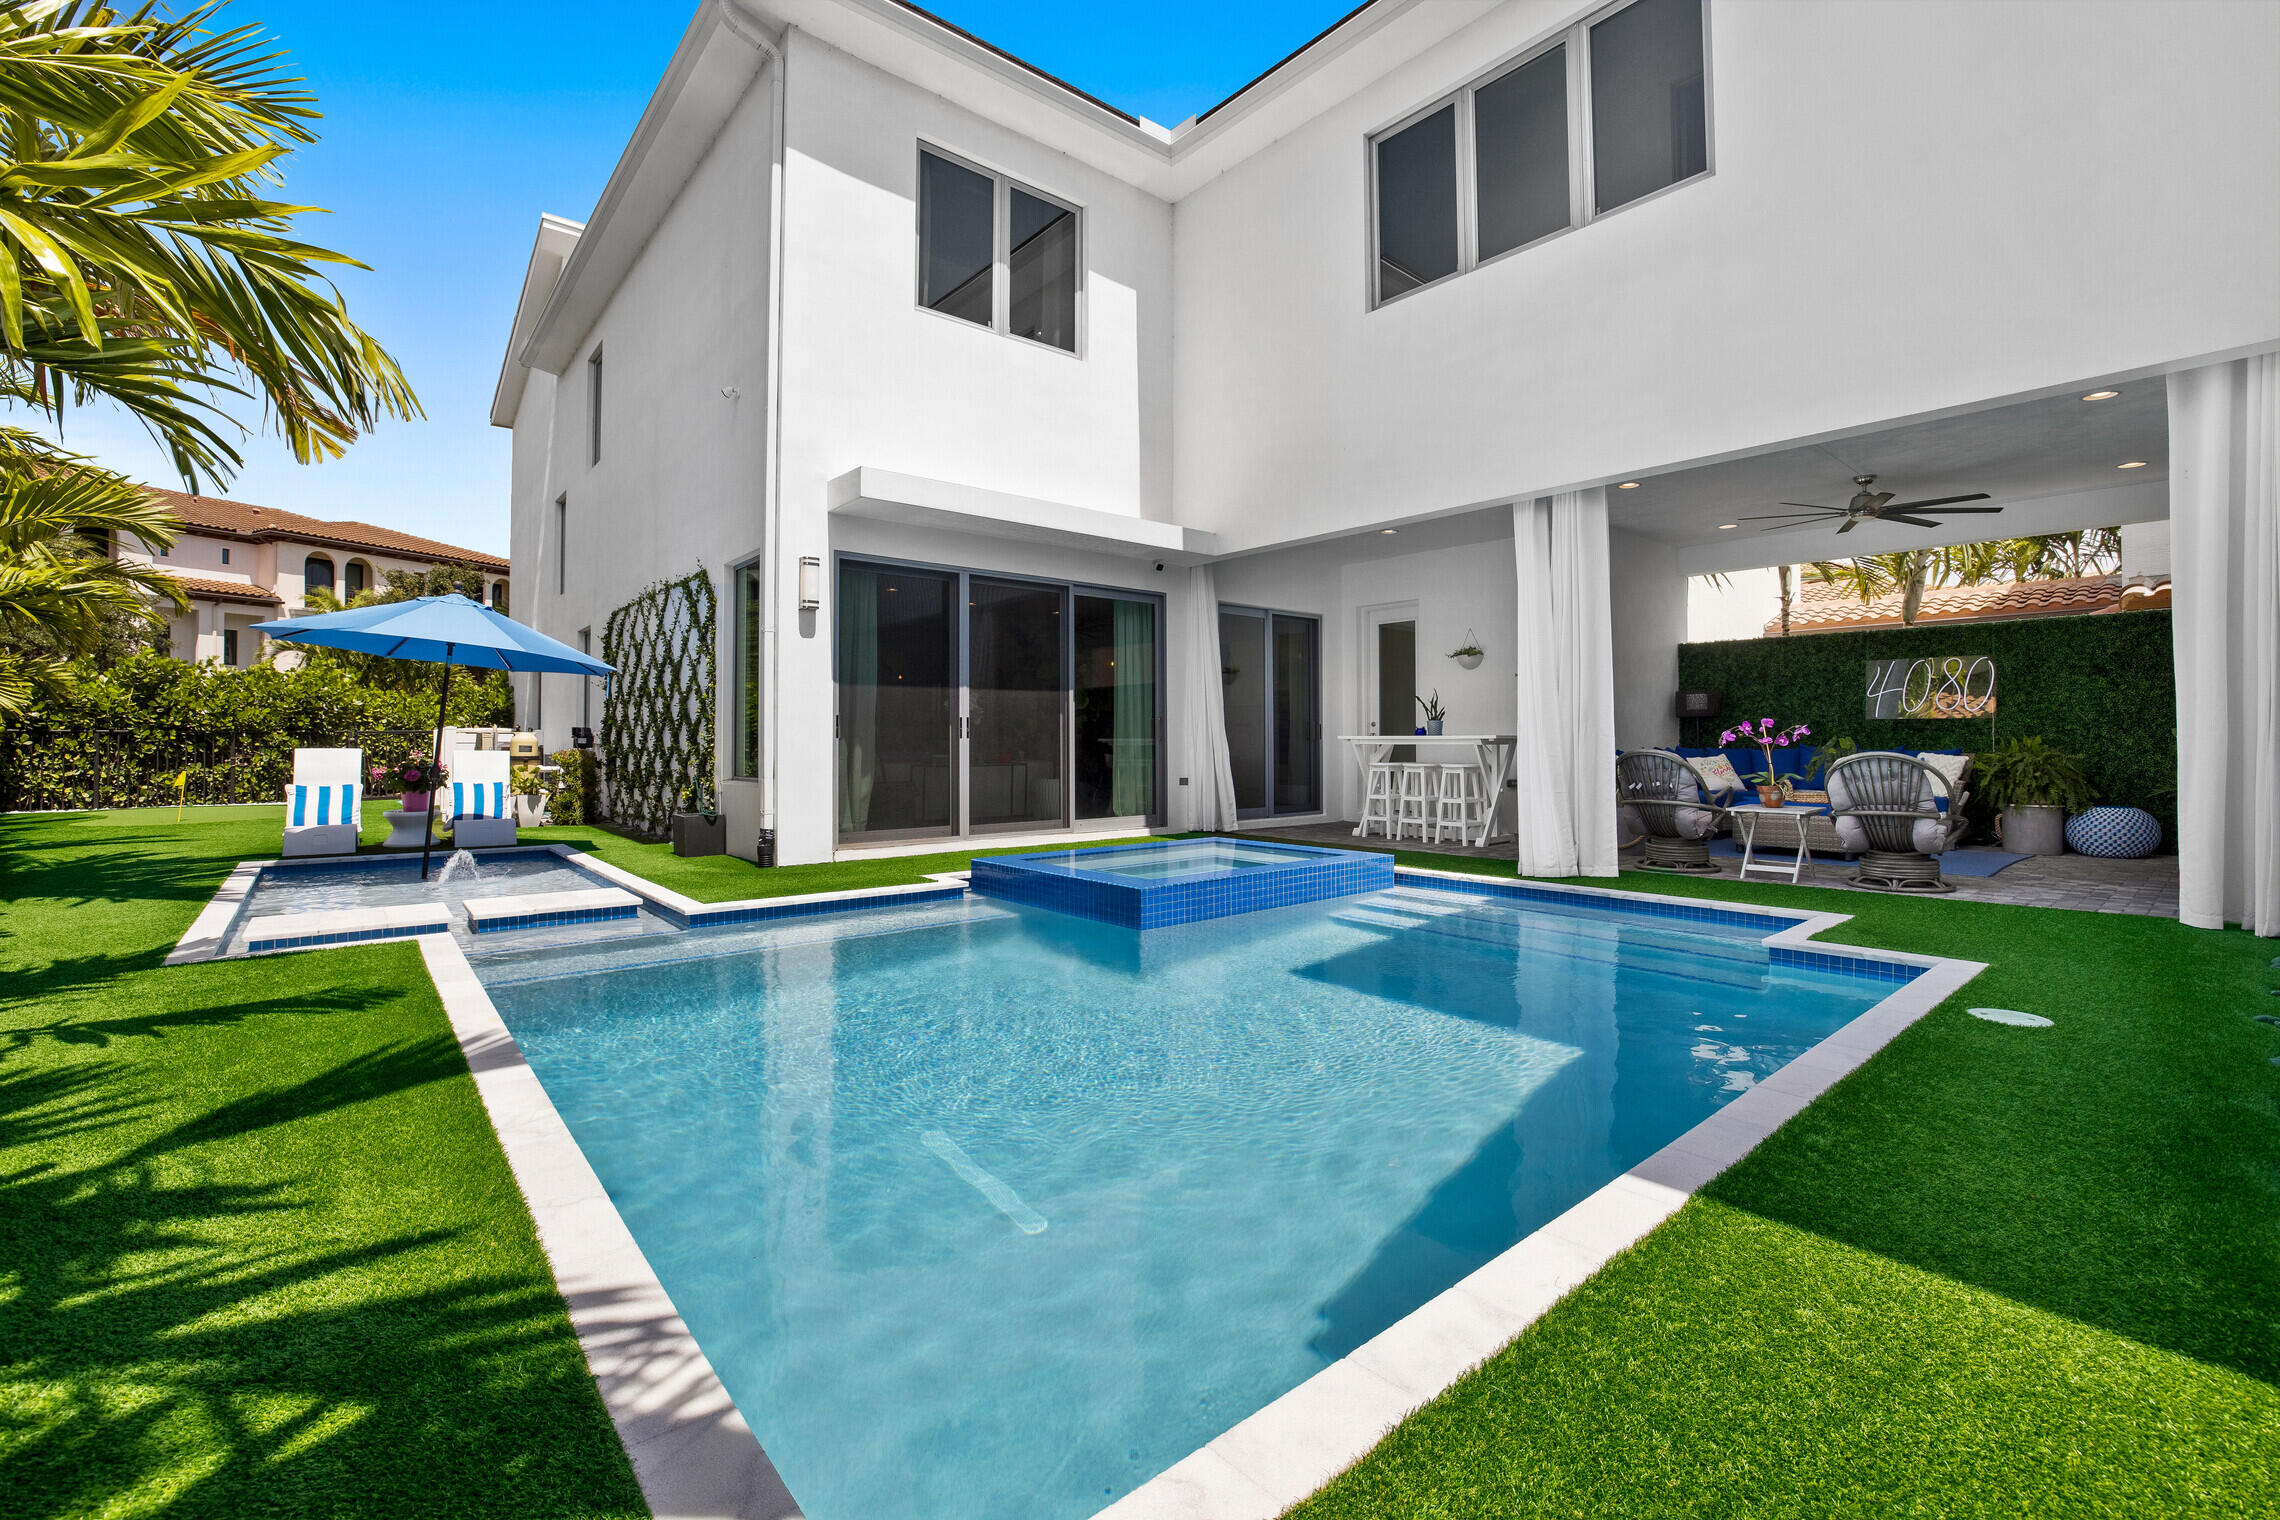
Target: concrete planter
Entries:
(700, 834)
(530, 811)
(2032, 830)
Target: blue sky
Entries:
(443, 144)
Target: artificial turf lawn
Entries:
(260, 1254)
(725, 878)
(1997, 1271)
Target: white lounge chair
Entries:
(482, 809)
(324, 807)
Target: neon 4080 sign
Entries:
(1945, 686)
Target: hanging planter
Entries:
(1468, 655)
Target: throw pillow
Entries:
(1718, 773)
(1950, 767)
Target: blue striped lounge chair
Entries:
(482, 809)
(324, 806)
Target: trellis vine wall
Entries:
(657, 722)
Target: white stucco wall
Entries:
(1915, 206)
(1647, 597)
(679, 481)
(1737, 609)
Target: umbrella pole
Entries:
(435, 793)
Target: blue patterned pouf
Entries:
(2118, 833)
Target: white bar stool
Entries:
(1459, 803)
(1378, 800)
(1413, 801)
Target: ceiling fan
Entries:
(1868, 506)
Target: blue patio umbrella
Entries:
(441, 630)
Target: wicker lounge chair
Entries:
(1665, 793)
(1885, 807)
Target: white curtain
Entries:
(1565, 813)
(2224, 525)
(1211, 776)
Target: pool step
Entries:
(1637, 947)
(342, 926)
(546, 910)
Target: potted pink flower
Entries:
(1772, 790)
(416, 778)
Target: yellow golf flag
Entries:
(181, 793)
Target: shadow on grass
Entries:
(176, 1342)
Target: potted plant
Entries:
(529, 788)
(698, 828)
(414, 779)
(1468, 655)
(2035, 786)
(1435, 713)
(1766, 737)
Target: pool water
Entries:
(454, 878)
(982, 1210)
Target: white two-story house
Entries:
(1062, 473)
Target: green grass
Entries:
(725, 878)
(1997, 1271)
(260, 1254)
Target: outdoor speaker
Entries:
(1698, 704)
(581, 738)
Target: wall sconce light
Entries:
(811, 583)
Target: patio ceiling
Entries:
(2053, 464)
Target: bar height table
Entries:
(1494, 752)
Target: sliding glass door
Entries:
(898, 694)
(1270, 675)
(1015, 704)
(1040, 706)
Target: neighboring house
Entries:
(1822, 608)
(241, 564)
(1061, 473)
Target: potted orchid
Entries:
(1772, 790)
(415, 779)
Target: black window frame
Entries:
(1002, 186)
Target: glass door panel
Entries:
(898, 686)
(1014, 707)
(1114, 704)
(1297, 725)
(1243, 679)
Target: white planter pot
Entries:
(530, 812)
(2032, 830)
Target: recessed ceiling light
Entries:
(2101, 395)
(2131, 464)
(1628, 485)
(1389, 532)
(1722, 527)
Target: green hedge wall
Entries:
(2102, 686)
(120, 737)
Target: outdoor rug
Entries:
(1953, 863)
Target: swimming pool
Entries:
(983, 1210)
(456, 879)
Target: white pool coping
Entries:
(496, 913)
(296, 931)
(697, 1459)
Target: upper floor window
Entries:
(1608, 112)
(594, 408)
(225, 554)
(997, 254)
(356, 578)
(316, 574)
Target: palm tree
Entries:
(2039, 557)
(143, 262)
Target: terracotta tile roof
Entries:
(226, 591)
(1822, 608)
(243, 520)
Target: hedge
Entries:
(2102, 686)
(120, 737)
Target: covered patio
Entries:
(1492, 615)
